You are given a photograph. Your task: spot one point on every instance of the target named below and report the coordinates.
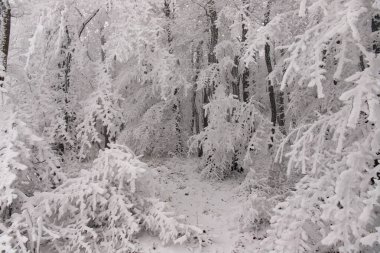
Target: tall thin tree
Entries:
(5, 32)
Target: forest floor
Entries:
(210, 205)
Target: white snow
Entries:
(210, 205)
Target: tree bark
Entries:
(197, 58)
(197, 63)
(275, 169)
(207, 91)
(268, 61)
(281, 112)
(5, 32)
(280, 104)
(65, 68)
(272, 97)
(375, 27)
(106, 134)
(213, 16)
(244, 78)
(241, 84)
(169, 16)
(5, 26)
(235, 75)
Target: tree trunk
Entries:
(275, 169)
(64, 80)
(5, 26)
(197, 63)
(280, 103)
(207, 91)
(244, 78)
(5, 32)
(268, 61)
(213, 16)
(106, 134)
(281, 112)
(235, 75)
(272, 97)
(197, 58)
(169, 16)
(241, 84)
(67, 70)
(375, 27)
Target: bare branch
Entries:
(86, 22)
(80, 13)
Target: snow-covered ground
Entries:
(210, 205)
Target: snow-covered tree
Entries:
(102, 209)
(102, 117)
(334, 204)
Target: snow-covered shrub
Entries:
(256, 213)
(102, 117)
(160, 131)
(26, 165)
(21, 148)
(296, 223)
(10, 165)
(217, 140)
(101, 210)
(230, 136)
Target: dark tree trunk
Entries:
(107, 139)
(244, 78)
(241, 84)
(213, 16)
(268, 61)
(5, 32)
(65, 68)
(178, 119)
(235, 75)
(375, 27)
(169, 16)
(275, 169)
(5, 26)
(281, 112)
(280, 103)
(197, 63)
(207, 91)
(272, 97)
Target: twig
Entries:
(86, 22)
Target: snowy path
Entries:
(209, 205)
